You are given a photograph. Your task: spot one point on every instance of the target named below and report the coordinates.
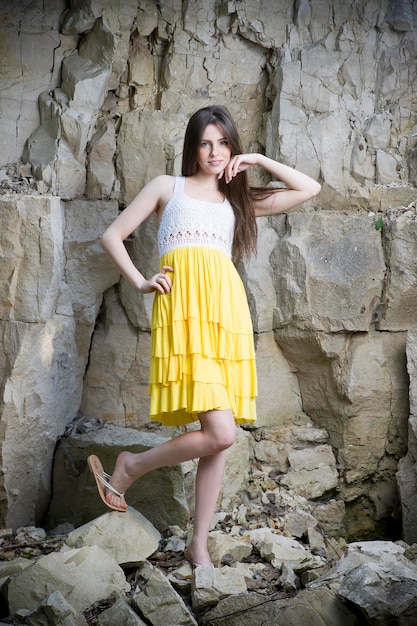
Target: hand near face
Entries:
(239, 163)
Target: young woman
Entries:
(202, 355)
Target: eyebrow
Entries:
(220, 139)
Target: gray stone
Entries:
(337, 293)
(318, 607)
(220, 545)
(311, 458)
(210, 586)
(24, 74)
(288, 578)
(159, 603)
(127, 537)
(83, 576)
(371, 575)
(399, 312)
(383, 593)
(328, 255)
(119, 613)
(407, 475)
(278, 549)
(245, 608)
(59, 611)
(312, 483)
(159, 496)
(279, 398)
(298, 523)
(32, 235)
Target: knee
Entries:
(224, 439)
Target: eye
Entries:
(224, 142)
(204, 144)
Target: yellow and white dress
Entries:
(202, 354)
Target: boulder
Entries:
(278, 549)
(209, 586)
(56, 608)
(127, 537)
(246, 608)
(158, 602)
(159, 496)
(83, 576)
(378, 579)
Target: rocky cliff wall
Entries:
(94, 102)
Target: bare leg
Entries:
(208, 484)
(216, 435)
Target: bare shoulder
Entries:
(164, 187)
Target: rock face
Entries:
(324, 87)
(407, 472)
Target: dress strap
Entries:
(178, 185)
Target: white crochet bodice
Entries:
(190, 222)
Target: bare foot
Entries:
(198, 556)
(122, 478)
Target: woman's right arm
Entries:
(150, 199)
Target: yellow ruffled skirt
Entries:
(202, 354)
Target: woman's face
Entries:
(214, 152)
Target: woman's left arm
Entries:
(299, 186)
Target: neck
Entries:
(211, 183)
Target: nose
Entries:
(213, 150)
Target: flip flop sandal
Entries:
(102, 480)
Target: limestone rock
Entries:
(127, 537)
(313, 471)
(89, 271)
(221, 545)
(159, 603)
(159, 495)
(117, 379)
(312, 483)
(210, 586)
(245, 608)
(141, 152)
(83, 577)
(393, 594)
(365, 360)
(32, 236)
(119, 613)
(25, 75)
(321, 257)
(371, 576)
(278, 549)
(407, 475)
(399, 312)
(58, 610)
(298, 523)
(311, 458)
(181, 579)
(279, 398)
(324, 87)
(317, 607)
(84, 81)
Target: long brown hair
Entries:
(238, 191)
